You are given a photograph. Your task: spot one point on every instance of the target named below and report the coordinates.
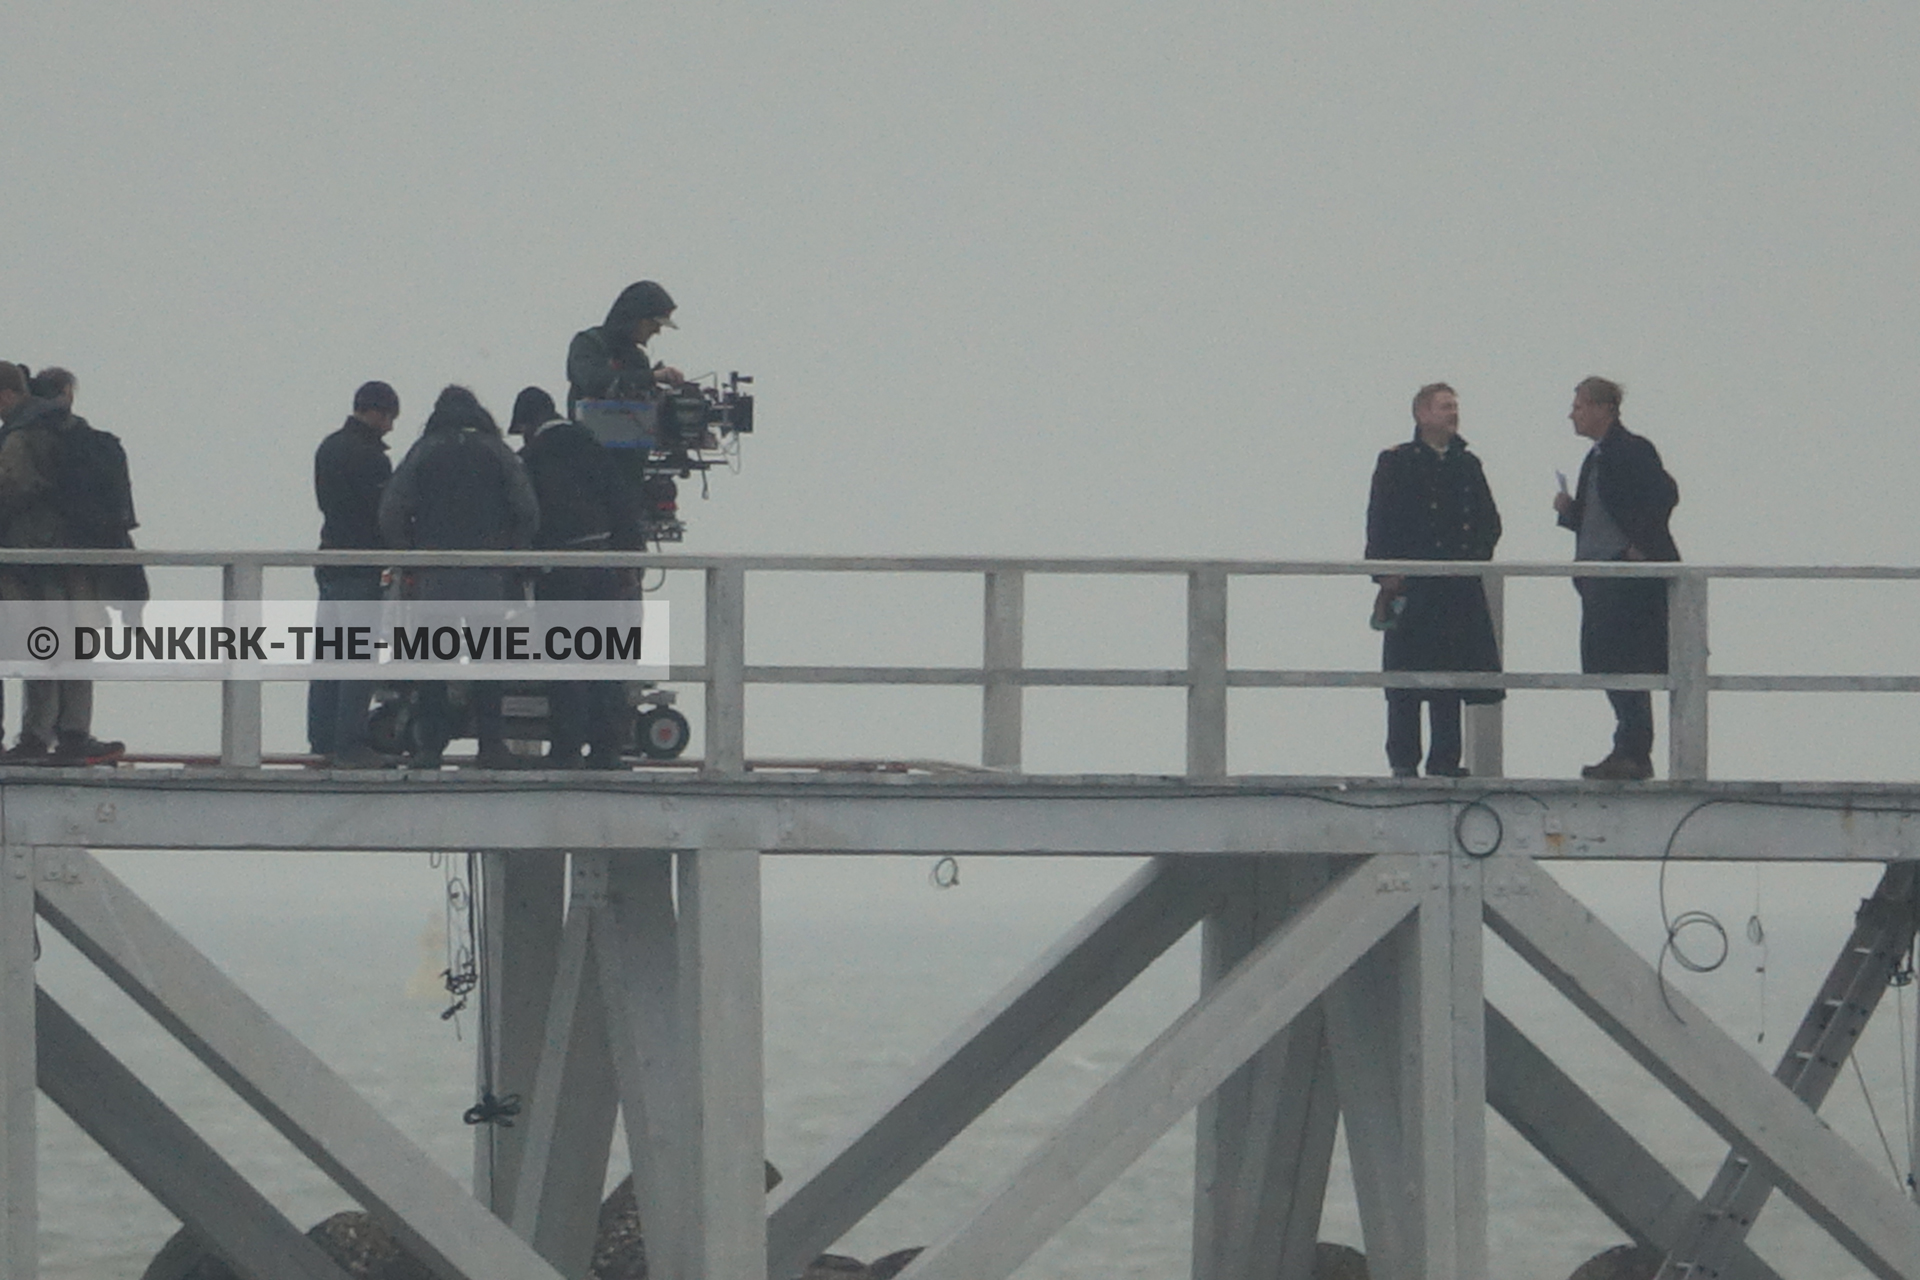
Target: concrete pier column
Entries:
(1265, 1137)
(723, 1054)
(523, 894)
(19, 1194)
(1407, 1030)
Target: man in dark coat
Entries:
(610, 361)
(1619, 511)
(585, 505)
(460, 488)
(1430, 501)
(46, 502)
(350, 472)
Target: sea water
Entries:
(868, 966)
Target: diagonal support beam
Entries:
(1277, 982)
(569, 1120)
(1709, 1071)
(1623, 1179)
(311, 1106)
(1015, 1031)
(167, 1157)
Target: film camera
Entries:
(669, 436)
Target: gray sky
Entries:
(1048, 277)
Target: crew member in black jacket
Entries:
(585, 505)
(1619, 511)
(1430, 501)
(350, 471)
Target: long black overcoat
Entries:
(1435, 505)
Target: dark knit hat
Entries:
(531, 408)
(377, 396)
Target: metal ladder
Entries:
(1883, 929)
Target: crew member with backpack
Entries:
(460, 488)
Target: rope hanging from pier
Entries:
(462, 974)
(492, 1110)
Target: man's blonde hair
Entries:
(1598, 390)
(1427, 393)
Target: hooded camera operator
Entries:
(610, 361)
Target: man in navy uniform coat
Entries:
(1430, 501)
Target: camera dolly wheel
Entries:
(663, 733)
(392, 727)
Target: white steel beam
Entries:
(1026, 1021)
(19, 1132)
(1687, 726)
(1373, 1042)
(1673, 1039)
(1407, 1036)
(1003, 650)
(1453, 1068)
(570, 1111)
(1623, 1179)
(168, 1158)
(1277, 982)
(523, 893)
(725, 729)
(1485, 723)
(312, 1107)
(637, 957)
(723, 1050)
(1207, 674)
(241, 585)
(1104, 817)
(1264, 1139)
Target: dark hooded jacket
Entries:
(1428, 505)
(604, 362)
(460, 488)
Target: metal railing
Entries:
(1003, 676)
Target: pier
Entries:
(1343, 922)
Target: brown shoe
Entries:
(1619, 768)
